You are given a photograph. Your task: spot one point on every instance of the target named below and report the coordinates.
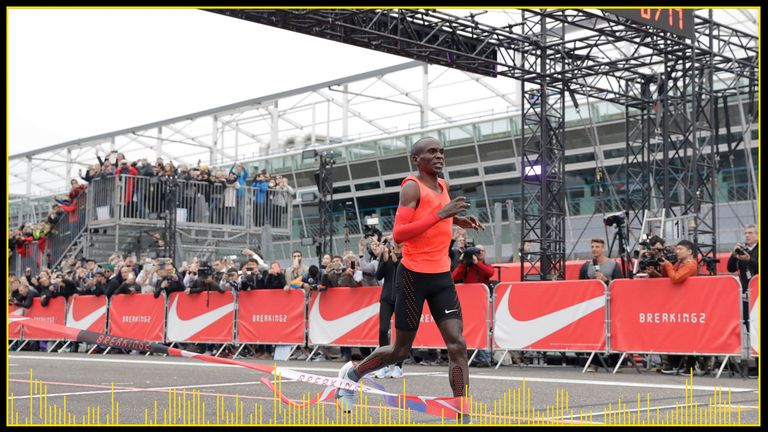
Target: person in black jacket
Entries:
(44, 289)
(274, 278)
(97, 285)
(388, 262)
(167, 282)
(20, 295)
(744, 260)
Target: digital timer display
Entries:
(674, 20)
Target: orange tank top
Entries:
(428, 252)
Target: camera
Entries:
(739, 251)
(614, 219)
(204, 269)
(470, 250)
(653, 258)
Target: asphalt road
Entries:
(140, 382)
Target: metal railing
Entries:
(69, 227)
(136, 198)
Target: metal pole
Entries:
(425, 96)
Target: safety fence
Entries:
(702, 316)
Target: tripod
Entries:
(626, 261)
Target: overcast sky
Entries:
(75, 73)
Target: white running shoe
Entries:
(396, 372)
(383, 372)
(345, 397)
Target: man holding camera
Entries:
(601, 267)
(685, 266)
(167, 281)
(472, 267)
(744, 260)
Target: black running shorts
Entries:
(412, 288)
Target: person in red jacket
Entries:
(128, 184)
(477, 272)
(685, 266)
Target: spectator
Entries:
(369, 260)
(204, 281)
(391, 253)
(297, 269)
(477, 272)
(283, 201)
(241, 174)
(311, 281)
(252, 277)
(231, 199)
(43, 286)
(129, 201)
(218, 186)
(91, 173)
(20, 294)
(129, 285)
(167, 282)
(260, 185)
(744, 259)
(352, 276)
(601, 267)
(148, 276)
(230, 281)
(457, 246)
(655, 248)
(275, 278)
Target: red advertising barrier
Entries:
(754, 314)
(137, 316)
(700, 316)
(204, 317)
(270, 316)
(474, 300)
(53, 313)
(345, 317)
(87, 313)
(510, 272)
(14, 329)
(550, 316)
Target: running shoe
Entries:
(383, 372)
(345, 397)
(396, 372)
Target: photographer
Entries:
(308, 282)
(601, 267)
(230, 281)
(648, 259)
(201, 279)
(167, 281)
(274, 277)
(333, 272)
(472, 267)
(685, 265)
(252, 277)
(744, 257)
(129, 286)
(97, 285)
(351, 275)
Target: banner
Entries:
(87, 313)
(550, 316)
(474, 300)
(138, 316)
(271, 316)
(53, 313)
(700, 316)
(203, 317)
(14, 329)
(510, 272)
(345, 317)
(754, 314)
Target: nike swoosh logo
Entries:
(449, 311)
(180, 330)
(86, 322)
(324, 331)
(510, 333)
(19, 312)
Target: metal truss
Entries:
(325, 186)
(543, 162)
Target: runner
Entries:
(423, 223)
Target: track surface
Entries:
(86, 380)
